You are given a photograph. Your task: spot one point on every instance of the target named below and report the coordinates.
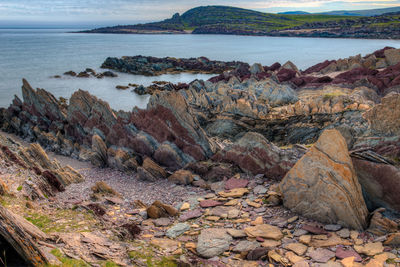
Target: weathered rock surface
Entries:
(323, 184)
(384, 116)
(256, 155)
(151, 66)
(380, 183)
(212, 242)
(167, 131)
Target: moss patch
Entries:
(67, 262)
(62, 220)
(147, 256)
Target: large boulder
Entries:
(392, 56)
(323, 184)
(254, 154)
(380, 183)
(384, 117)
(88, 115)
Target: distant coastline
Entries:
(238, 21)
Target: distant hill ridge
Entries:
(239, 21)
(364, 12)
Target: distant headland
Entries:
(238, 21)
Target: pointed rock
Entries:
(323, 185)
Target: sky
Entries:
(110, 12)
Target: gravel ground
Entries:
(128, 185)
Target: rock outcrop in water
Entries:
(166, 131)
(152, 66)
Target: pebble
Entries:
(259, 190)
(344, 233)
(332, 227)
(300, 232)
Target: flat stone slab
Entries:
(236, 183)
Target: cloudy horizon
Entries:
(107, 12)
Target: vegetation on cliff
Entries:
(232, 20)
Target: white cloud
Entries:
(156, 9)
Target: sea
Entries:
(39, 54)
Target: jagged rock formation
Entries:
(152, 66)
(323, 184)
(256, 155)
(23, 237)
(165, 131)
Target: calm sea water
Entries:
(39, 54)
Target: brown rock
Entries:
(235, 183)
(323, 184)
(342, 253)
(154, 169)
(264, 231)
(99, 148)
(237, 192)
(369, 249)
(183, 177)
(209, 203)
(380, 183)
(144, 175)
(392, 56)
(332, 240)
(159, 209)
(236, 233)
(393, 240)
(381, 225)
(298, 248)
(383, 117)
(321, 255)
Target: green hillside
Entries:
(233, 20)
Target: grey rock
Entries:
(212, 242)
(321, 255)
(332, 227)
(344, 233)
(259, 190)
(300, 232)
(162, 221)
(245, 246)
(177, 230)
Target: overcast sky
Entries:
(120, 11)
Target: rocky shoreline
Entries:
(275, 153)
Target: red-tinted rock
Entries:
(209, 203)
(236, 183)
(286, 75)
(273, 67)
(380, 183)
(255, 154)
(342, 253)
(381, 52)
(314, 229)
(191, 214)
(318, 67)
